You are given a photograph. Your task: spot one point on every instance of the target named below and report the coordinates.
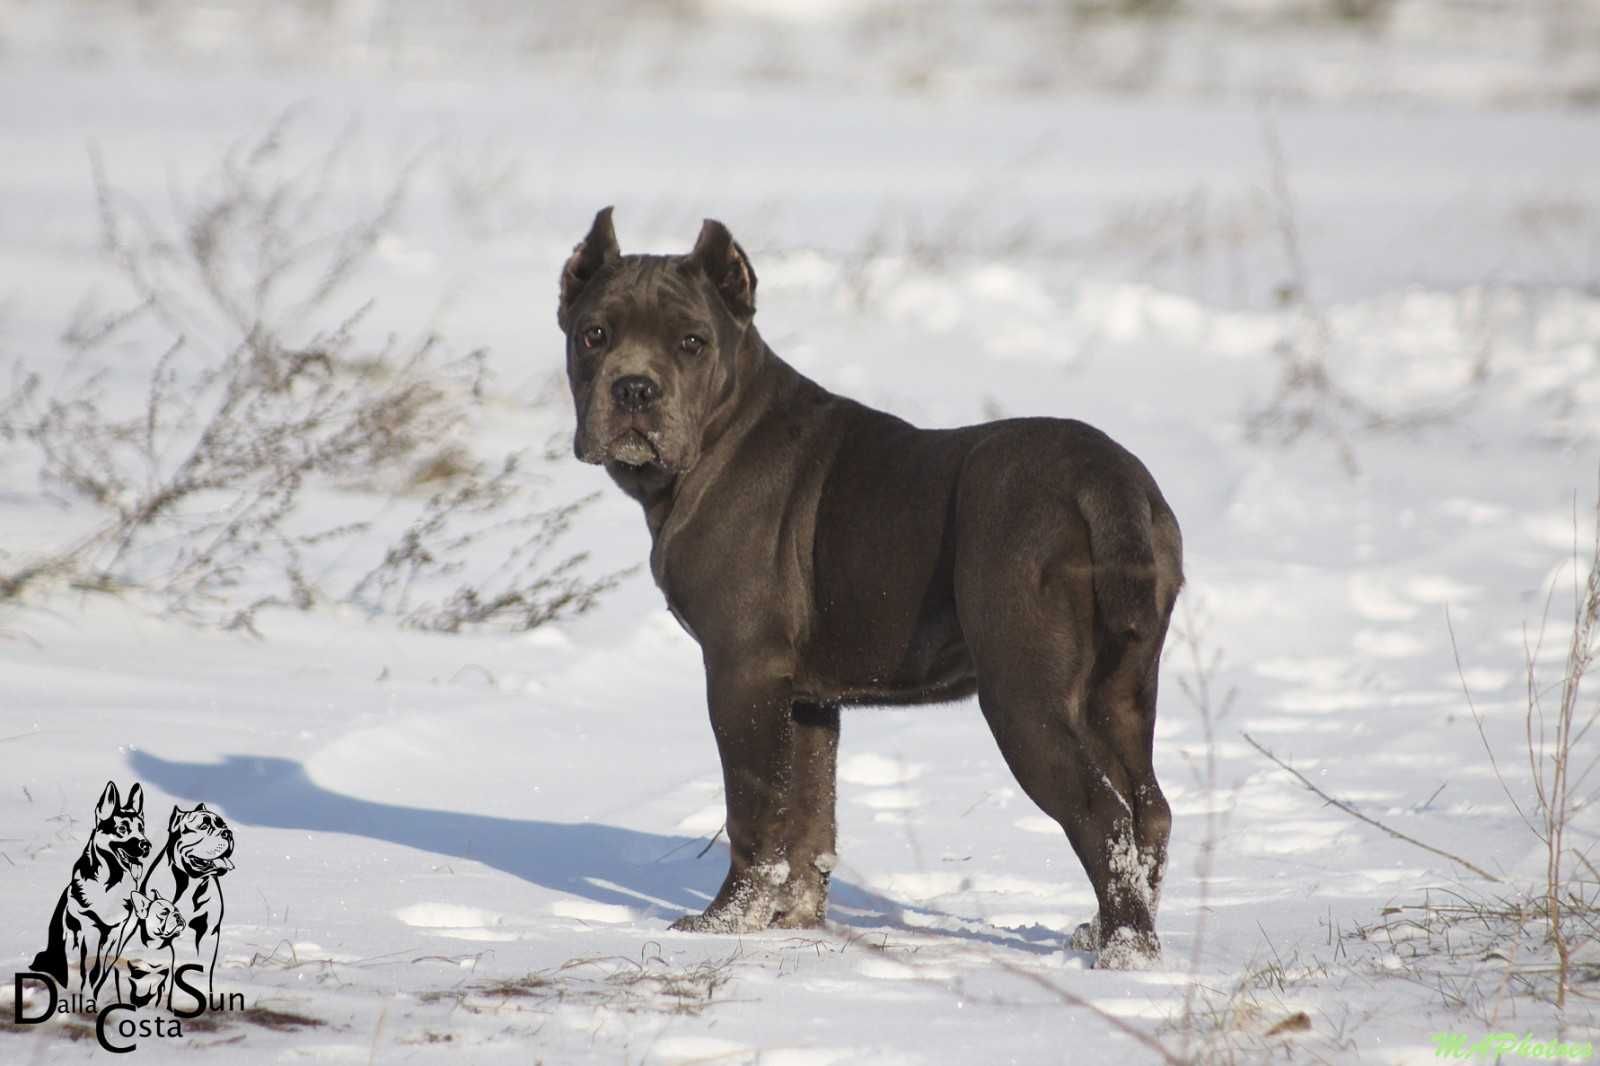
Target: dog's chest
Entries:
(725, 574)
(104, 900)
(682, 621)
(677, 574)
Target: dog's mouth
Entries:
(201, 866)
(628, 443)
(137, 848)
(206, 855)
(632, 448)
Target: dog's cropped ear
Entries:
(109, 802)
(175, 817)
(139, 903)
(136, 799)
(588, 258)
(202, 807)
(729, 269)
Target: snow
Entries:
(423, 821)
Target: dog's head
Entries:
(199, 841)
(652, 344)
(159, 918)
(119, 827)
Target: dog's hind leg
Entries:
(1066, 701)
(1121, 711)
(1056, 743)
(1124, 687)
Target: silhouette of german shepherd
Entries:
(94, 905)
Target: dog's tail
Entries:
(1122, 546)
(53, 959)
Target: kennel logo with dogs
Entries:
(134, 938)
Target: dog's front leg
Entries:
(809, 826)
(755, 731)
(110, 952)
(94, 961)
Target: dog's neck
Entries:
(754, 389)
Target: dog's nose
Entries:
(635, 392)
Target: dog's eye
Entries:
(693, 344)
(594, 337)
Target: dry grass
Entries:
(1482, 954)
(1540, 941)
(646, 984)
(530, 587)
(267, 418)
(1311, 399)
(1262, 1014)
(1487, 953)
(1559, 765)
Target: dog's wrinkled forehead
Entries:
(199, 820)
(649, 288)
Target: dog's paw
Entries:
(727, 920)
(692, 923)
(747, 903)
(799, 918)
(1127, 949)
(1087, 936)
(802, 900)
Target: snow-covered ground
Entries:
(470, 846)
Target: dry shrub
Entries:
(270, 420)
(528, 588)
(1484, 951)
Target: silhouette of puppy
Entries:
(189, 871)
(144, 947)
(94, 904)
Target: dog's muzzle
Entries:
(635, 393)
(208, 853)
(633, 448)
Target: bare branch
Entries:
(1356, 814)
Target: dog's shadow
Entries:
(603, 863)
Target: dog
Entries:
(94, 905)
(197, 853)
(825, 554)
(144, 949)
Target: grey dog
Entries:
(825, 554)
